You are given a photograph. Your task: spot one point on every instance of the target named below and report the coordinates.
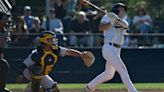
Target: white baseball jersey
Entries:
(113, 34)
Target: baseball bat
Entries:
(94, 6)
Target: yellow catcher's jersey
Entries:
(46, 59)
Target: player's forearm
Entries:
(122, 23)
(73, 52)
(103, 27)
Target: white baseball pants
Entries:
(113, 63)
(46, 81)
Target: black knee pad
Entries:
(36, 70)
(36, 78)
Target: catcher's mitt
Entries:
(88, 58)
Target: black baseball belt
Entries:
(115, 45)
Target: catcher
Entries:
(40, 62)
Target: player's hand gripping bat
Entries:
(114, 18)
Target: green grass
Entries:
(102, 86)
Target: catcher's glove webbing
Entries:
(88, 58)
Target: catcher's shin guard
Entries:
(36, 78)
(53, 89)
(35, 85)
(4, 67)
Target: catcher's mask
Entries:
(48, 38)
(115, 8)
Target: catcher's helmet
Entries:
(115, 8)
(49, 38)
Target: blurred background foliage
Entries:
(154, 7)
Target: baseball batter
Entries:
(113, 26)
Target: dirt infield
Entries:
(113, 91)
(98, 90)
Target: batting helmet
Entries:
(49, 38)
(115, 8)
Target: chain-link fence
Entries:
(89, 40)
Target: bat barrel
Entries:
(94, 6)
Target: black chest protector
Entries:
(46, 59)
